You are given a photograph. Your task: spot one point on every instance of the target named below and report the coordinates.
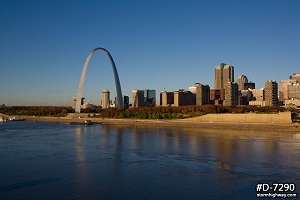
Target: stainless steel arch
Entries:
(116, 76)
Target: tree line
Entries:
(179, 112)
(141, 112)
(59, 111)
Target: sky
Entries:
(156, 44)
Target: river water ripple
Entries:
(62, 161)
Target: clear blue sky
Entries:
(156, 44)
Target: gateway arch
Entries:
(116, 76)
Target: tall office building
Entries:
(166, 98)
(183, 98)
(74, 102)
(283, 88)
(284, 85)
(294, 91)
(271, 93)
(126, 101)
(289, 90)
(105, 99)
(241, 80)
(150, 97)
(223, 74)
(231, 94)
(137, 98)
(201, 93)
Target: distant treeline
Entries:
(179, 112)
(141, 112)
(36, 110)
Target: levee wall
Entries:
(279, 118)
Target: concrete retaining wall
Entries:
(280, 118)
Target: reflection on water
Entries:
(82, 173)
(60, 161)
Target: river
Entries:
(62, 161)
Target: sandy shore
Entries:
(294, 127)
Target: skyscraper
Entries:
(183, 97)
(283, 88)
(284, 84)
(201, 93)
(231, 94)
(105, 99)
(271, 93)
(74, 102)
(241, 80)
(137, 98)
(294, 91)
(126, 101)
(166, 98)
(223, 74)
(150, 97)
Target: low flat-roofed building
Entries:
(88, 105)
(258, 95)
(257, 103)
(295, 76)
(292, 103)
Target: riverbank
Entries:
(187, 123)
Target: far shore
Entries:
(289, 127)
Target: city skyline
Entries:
(166, 45)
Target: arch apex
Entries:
(116, 77)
